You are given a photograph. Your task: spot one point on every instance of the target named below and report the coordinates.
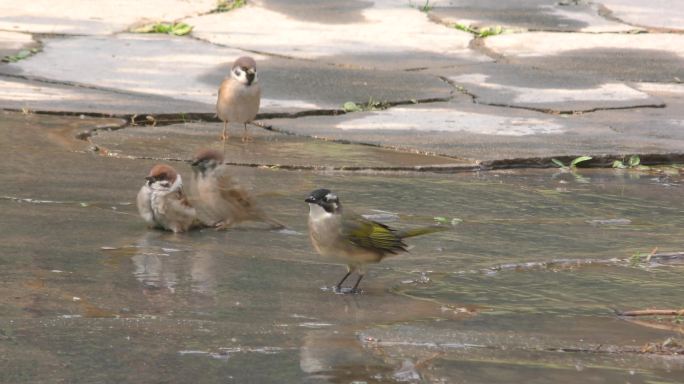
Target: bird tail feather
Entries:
(420, 231)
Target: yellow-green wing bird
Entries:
(350, 238)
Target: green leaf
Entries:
(558, 163)
(580, 159)
(143, 29)
(181, 29)
(163, 28)
(351, 106)
(464, 27)
(618, 164)
(634, 160)
(441, 219)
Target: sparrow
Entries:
(162, 203)
(220, 200)
(239, 96)
(351, 238)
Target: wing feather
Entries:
(371, 235)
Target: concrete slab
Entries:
(13, 42)
(83, 17)
(641, 57)
(546, 90)
(184, 69)
(479, 132)
(19, 94)
(390, 35)
(656, 14)
(537, 15)
(181, 141)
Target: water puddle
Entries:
(532, 279)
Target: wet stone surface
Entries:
(479, 132)
(181, 141)
(86, 291)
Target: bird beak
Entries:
(310, 200)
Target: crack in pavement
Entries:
(446, 168)
(476, 100)
(607, 14)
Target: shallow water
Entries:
(88, 294)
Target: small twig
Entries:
(653, 312)
(661, 326)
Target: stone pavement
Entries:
(513, 82)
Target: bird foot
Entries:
(346, 290)
(222, 226)
(224, 137)
(247, 139)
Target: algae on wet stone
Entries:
(21, 55)
(229, 5)
(177, 29)
(371, 105)
(482, 32)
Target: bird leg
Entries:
(246, 138)
(225, 136)
(338, 287)
(355, 289)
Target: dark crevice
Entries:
(598, 161)
(446, 168)
(569, 111)
(549, 111)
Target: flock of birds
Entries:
(218, 201)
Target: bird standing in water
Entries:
(353, 239)
(239, 96)
(220, 200)
(162, 203)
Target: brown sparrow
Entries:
(220, 200)
(239, 96)
(162, 203)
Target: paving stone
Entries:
(658, 14)
(92, 17)
(525, 87)
(479, 132)
(538, 15)
(181, 141)
(184, 69)
(390, 34)
(635, 57)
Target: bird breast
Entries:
(238, 103)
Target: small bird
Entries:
(162, 203)
(220, 200)
(239, 96)
(352, 238)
